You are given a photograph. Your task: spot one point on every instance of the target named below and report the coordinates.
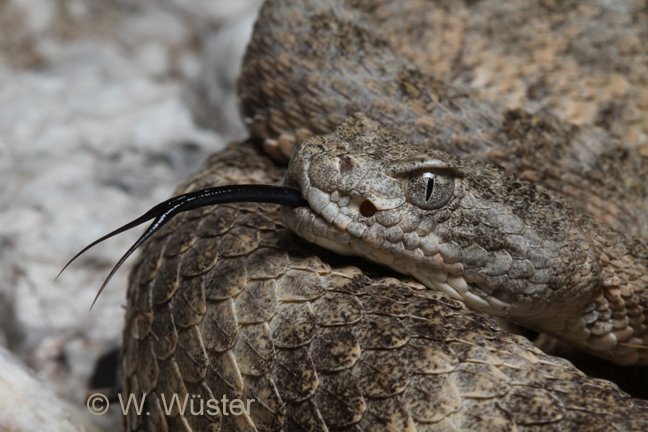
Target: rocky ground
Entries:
(105, 106)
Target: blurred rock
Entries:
(213, 95)
(29, 405)
(97, 124)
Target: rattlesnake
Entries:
(225, 301)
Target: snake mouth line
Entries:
(163, 212)
(328, 221)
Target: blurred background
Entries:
(105, 106)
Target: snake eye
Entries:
(429, 190)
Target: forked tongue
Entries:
(165, 211)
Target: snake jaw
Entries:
(337, 227)
(334, 231)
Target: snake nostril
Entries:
(367, 209)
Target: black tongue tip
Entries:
(165, 211)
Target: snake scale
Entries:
(227, 301)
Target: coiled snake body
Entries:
(227, 302)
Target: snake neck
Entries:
(615, 323)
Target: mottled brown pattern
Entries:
(532, 53)
(226, 301)
(305, 75)
(323, 345)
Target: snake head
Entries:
(467, 228)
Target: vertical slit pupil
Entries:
(429, 189)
